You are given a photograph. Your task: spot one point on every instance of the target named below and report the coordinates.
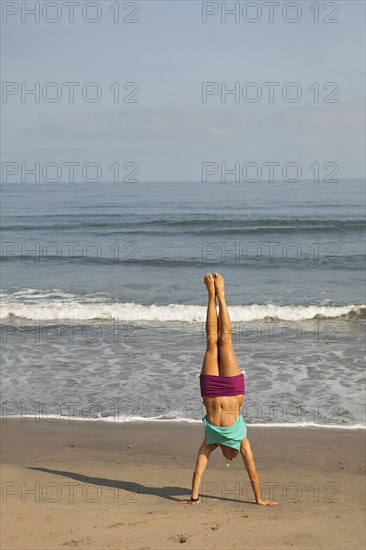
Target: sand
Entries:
(106, 485)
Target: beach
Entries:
(97, 484)
(147, 145)
(101, 408)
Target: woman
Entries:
(222, 390)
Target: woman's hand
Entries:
(267, 502)
(190, 501)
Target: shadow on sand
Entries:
(169, 493)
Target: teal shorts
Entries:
(231, 436)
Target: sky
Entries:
(162, 127)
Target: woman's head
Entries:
(228, 452)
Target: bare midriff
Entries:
(223, 411)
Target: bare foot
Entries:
(210, 283)
(219, 285)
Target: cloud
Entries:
(338, 118)
(172, 127)
(138, 124)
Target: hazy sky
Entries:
(168, 53)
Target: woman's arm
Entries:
(201, 463)
(248, 458)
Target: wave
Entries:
(212, 257)
(66, 307)
(263, 223)
(169, 418)
(199, 224)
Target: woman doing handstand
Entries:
(222, 391)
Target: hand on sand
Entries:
(189, 502)
(267, 502)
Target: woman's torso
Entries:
(223, 411)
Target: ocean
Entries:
(103, 301)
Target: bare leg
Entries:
(228, 362)
(211, 359)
